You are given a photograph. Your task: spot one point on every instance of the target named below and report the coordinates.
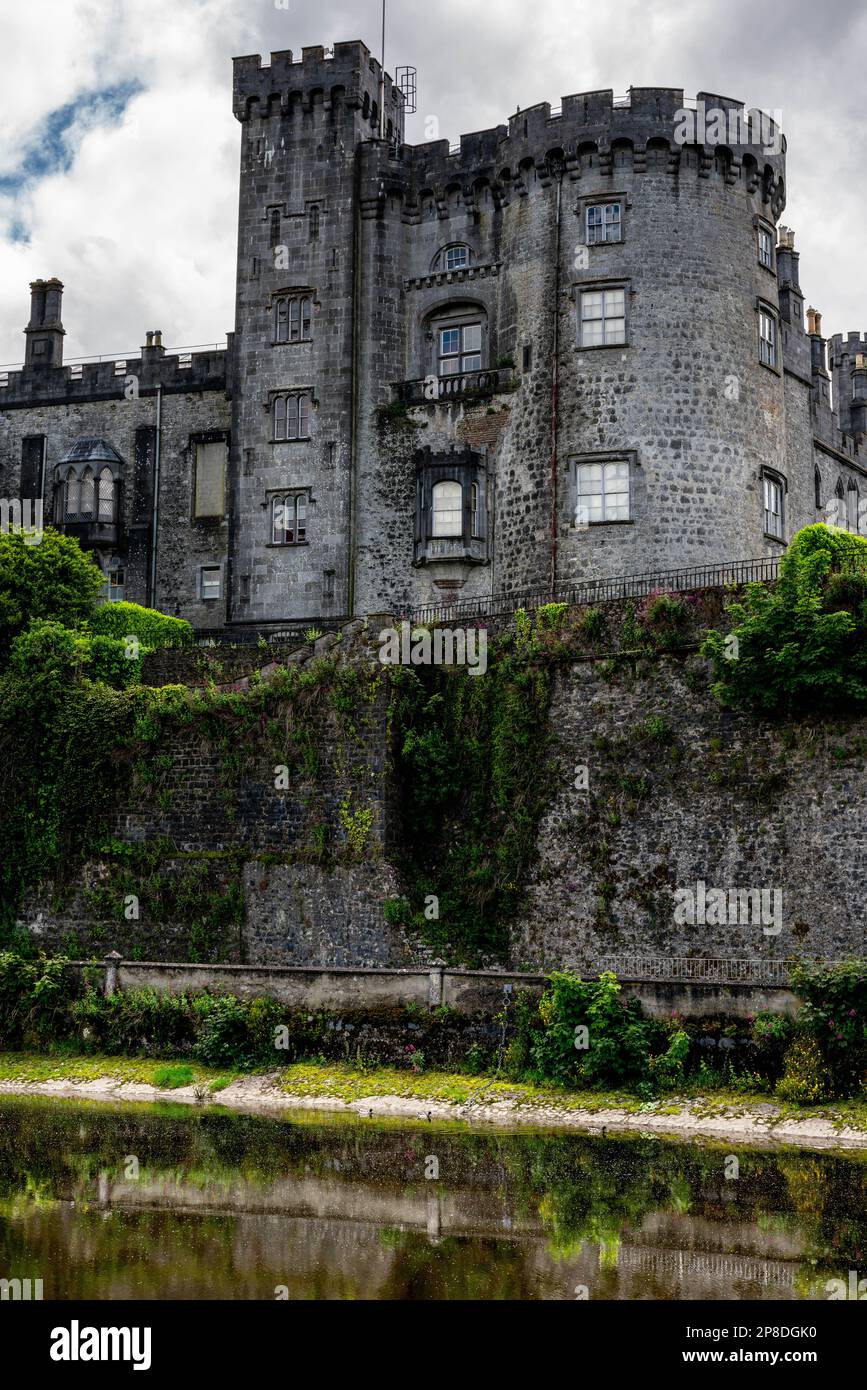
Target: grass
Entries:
(37, 1066)
(348, 1082)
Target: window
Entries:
(817, 481)
(115, 586)
(313, 221)
(292, 318)
(211, 582)
(766, 248)
(71, 493)
(105, 496)
(289, 519)
(767, 338)
(447, 509)
(85, 506)
(275, 226)
(291, 415)
(460, 349)
(773, 501)
(477, 520)
(455, 257)
(852, 507)
(603, 317)
(210, 495)
(603, 223)
(602, 492)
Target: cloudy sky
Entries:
(119, 152)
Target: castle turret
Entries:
(848, 361)
(45, 332)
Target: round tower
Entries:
(617, 260)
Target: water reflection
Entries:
(170, 1202)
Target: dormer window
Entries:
(456, 257)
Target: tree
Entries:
(52, 579)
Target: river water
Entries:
(174, 1202)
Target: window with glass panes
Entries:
(767, 338)
(603, 223)
(212, 581)
(292, 318)
(289, 519)
(456, 257)
(447, 509)
(766, 248)
(291, 415)
(773, 498)
(603, 492)
(459, 348)
(603, 317)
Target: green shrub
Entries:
(770, 1035)
(153, 629)
(618, 1037)
(52, 656)
(668, 1069)
(791, 649)
(807, 1078)
(834, 1014)
(34, 999)
(550, 617)
(592, 625)
(53, 580)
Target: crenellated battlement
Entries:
(593, 133)
(841, 347)
(88, 381)
(348, 74)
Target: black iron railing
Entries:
(589, 591)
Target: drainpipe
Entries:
(355, 403)
(155, 516)
(555, 383)
(44, 452)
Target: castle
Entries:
(573, 347)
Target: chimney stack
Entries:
(45, 332)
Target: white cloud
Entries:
(142, 227)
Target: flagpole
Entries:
(382, 81)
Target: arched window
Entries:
(852, 506)
(447, 509)
(454, 257)
(817, 483)
(292, 318)
(289, 519)
(85, 510)
(72, 495)
(105, 496)
(292, 416)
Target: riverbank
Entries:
(438, 1096)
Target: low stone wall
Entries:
(470, 993)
